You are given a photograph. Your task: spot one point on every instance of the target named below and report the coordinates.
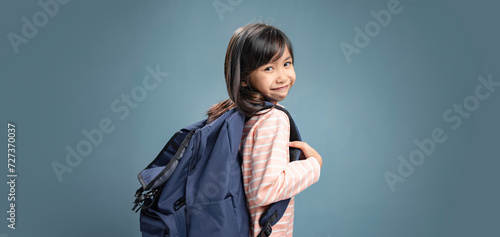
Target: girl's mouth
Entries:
(280, 88)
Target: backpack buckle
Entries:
(266, 230)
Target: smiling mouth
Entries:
(280, 88)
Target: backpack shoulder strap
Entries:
(276, 210)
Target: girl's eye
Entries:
(268, 69)
(288, 64)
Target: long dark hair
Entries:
(250, 47)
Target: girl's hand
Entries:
(307, 150)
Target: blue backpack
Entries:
(194, 187)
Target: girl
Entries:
(259, 68)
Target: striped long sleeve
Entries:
(268, 176)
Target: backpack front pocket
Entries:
(155, 224)
(215, 219)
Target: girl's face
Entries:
(274, 79)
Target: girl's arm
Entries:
(273, 177)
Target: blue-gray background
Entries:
(359, 115)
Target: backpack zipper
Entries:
(179, 203)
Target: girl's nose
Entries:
(281, 76)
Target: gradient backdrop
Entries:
(374, 80)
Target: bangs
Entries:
(268, 45)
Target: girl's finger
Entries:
(296, 144)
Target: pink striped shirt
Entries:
(268, 176)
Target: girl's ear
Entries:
(244, 82)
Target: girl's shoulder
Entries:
(269, 117)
